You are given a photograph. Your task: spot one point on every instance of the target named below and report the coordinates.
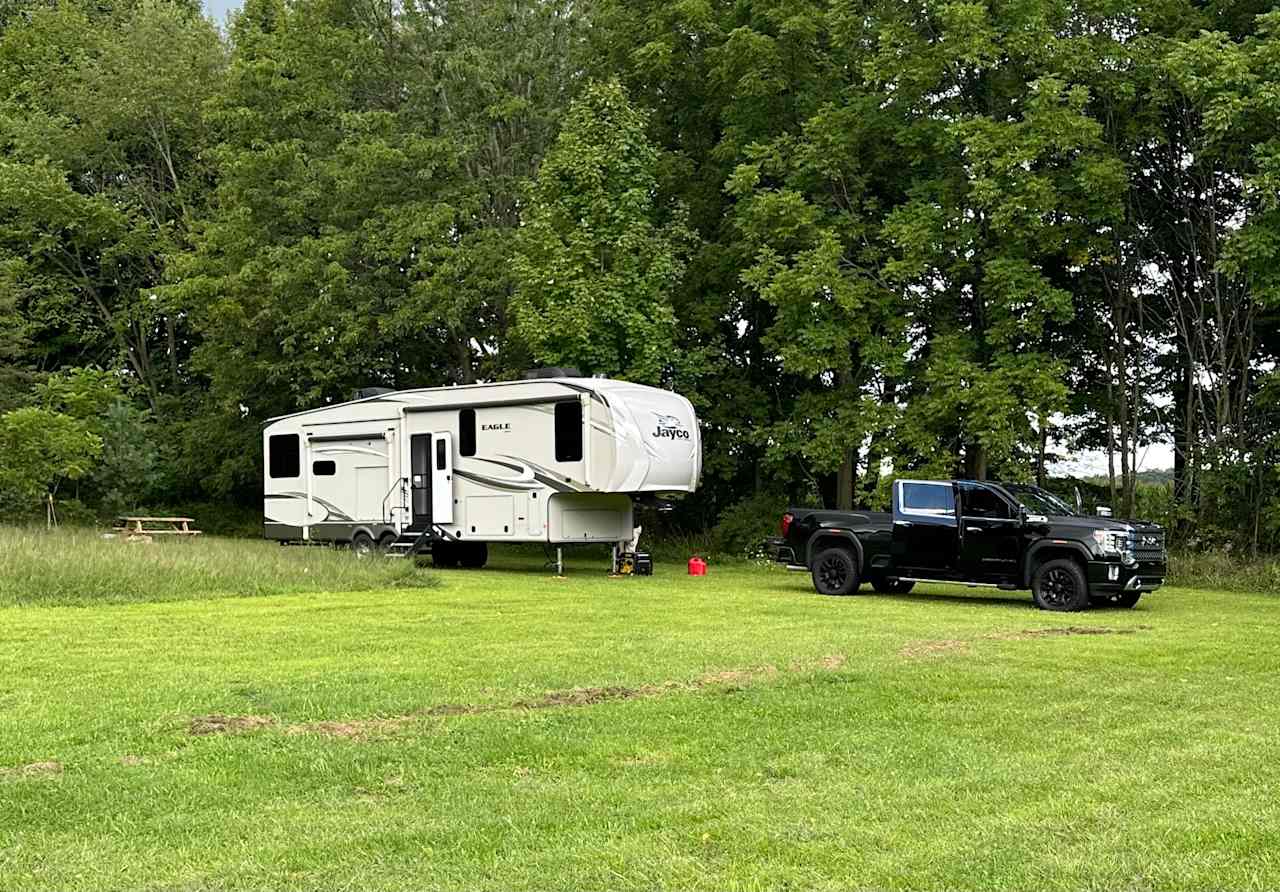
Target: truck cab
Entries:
(1010, 536)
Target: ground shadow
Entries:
(1015, 600)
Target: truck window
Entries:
(978, 501)
(283, 456)
(933, 498)
(569, 431)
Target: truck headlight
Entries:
(1110, 542)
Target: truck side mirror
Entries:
(1103, 511)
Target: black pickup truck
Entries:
(1006, 535)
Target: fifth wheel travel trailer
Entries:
(446, 470)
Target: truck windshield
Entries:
(1038, 501)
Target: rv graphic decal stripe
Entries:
(332, 511)
(551, 478)
(525, 473)
(497, 482)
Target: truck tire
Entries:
(1060, 585)
(1119, 599)
(892, 587)
(835, 571)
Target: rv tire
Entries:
(473, 555)
(444, 555)
(362, 544)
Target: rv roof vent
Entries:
(364, 393)
(552, 372)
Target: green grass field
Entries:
(506, 729)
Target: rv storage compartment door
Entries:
(589, 517)
(442, 479)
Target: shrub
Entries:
(743, 527)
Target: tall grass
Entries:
(82, 567)
(1225, 571)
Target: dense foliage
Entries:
(864, 238)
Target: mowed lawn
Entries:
(507, 729)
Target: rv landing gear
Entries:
(472, 555)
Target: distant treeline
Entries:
(856, 235)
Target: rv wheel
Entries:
(362, 544)
(474, 555)
(444, 555)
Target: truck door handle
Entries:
(973, 529)
(902, 523)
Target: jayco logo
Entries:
(669, 428)
(506, 426)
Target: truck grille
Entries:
(1147, 545)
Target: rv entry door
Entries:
(420, 473)
(442, 480)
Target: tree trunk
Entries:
(1040, 453)
(846, 477)
(975, 461)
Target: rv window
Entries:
(467, 432)
(569, 431)
(282, 456)
(324, 468)
(441, 458)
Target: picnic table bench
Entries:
(156, 526)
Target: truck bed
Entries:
(815, 517)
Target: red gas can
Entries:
(697, 566)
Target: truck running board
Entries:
(1003, 586)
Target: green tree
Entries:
(598, 256)
(101, 174)
(41, 448)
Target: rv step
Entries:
(409, 542)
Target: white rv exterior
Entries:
(555, 460)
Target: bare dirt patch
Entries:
(33, 769)
(728, 679)
(585, 696)
(941, 647)
(359, 728)
(738, 676)
(921, 649)
(1063, 631)
(226, 724)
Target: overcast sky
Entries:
(219, 8)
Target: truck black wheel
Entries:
(1060, 585)
(1119, 599)
(473, 554)
(362, 544)
(835, 572)
(892, 587)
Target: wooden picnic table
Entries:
(156, 526)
